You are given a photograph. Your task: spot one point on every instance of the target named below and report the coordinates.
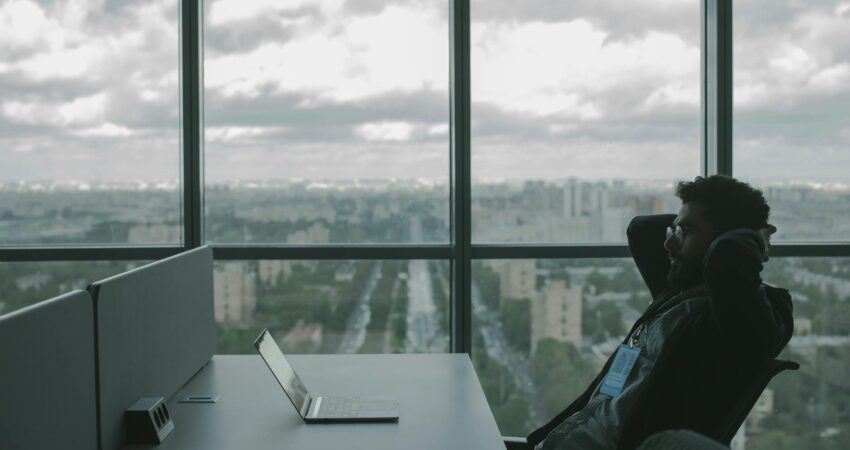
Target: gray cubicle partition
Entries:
(47, 384)
(155, 329)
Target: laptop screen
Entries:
(289, 381)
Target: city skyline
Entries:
(533, 319)
(377, 211)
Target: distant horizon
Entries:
(173, 184)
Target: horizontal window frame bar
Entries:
(80, 253)
(332, 252)
(512, 251)
(809, 250)
(552, 251)
(376, 252)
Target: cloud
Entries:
(224, 12)
(80, 111)
(386, 131)
(22, 25)
(831, 79)
(89, 81)
(802, 53)
(240, 134)
(325, 89)
(106, 129)
(441, 129)
(756, 158)
(671, 96)
(344, 60)
(572, 70)
(620, 20)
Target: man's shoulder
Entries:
(672, 297)
(776, 291)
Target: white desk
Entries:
(441, 405)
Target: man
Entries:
(711, 324)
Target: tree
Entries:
(515, 315)
(510, 406)
(488, 284)
(236, 340)
(561, 373)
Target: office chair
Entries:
(727, 426)
(732, 422)
(516, 443)
(680, 440)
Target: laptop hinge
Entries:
(305, 408)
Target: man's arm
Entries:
(740, 308)
(646, 242)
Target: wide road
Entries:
(423, 329)
(496, 345)
(355, 328)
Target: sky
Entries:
(336, 89)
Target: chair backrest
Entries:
(732, 422)
(680, 440)
(47, 386)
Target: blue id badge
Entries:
(615, 379)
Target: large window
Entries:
(392, 306)
(809, 408)
(792, 139)
(326, 122)
(792, 112)
(580, 119)
(89, 123)
(430, 175)
(25, 283)
(543, 328)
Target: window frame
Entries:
(716, 122)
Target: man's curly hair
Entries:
(728, 203)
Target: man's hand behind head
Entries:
(765, 234)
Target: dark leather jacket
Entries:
(699, 347)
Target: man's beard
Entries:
(684, 275)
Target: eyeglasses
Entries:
(678, 232)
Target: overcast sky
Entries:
(335, 89)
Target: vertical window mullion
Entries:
(191, 113)
(461, 320)
(717, 87)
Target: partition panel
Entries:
(47, 368)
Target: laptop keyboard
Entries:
(340, 407)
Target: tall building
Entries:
(598, 198)
(572, 199)
(235, 293)
(556, 314)
(613, 223)
(517, 277)
(317, 233)
(273, 271)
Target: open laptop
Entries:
(321, 408)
